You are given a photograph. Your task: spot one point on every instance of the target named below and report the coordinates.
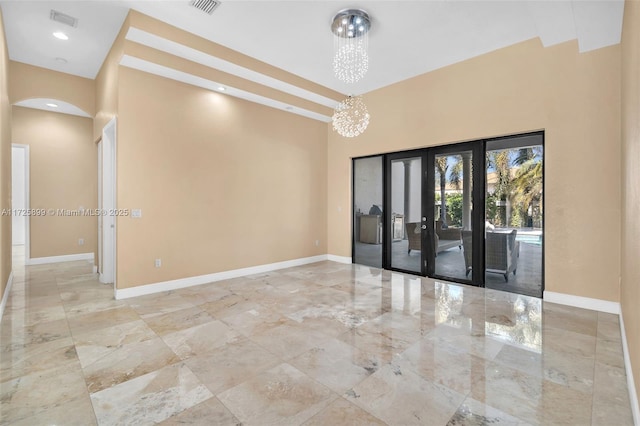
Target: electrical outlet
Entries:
(158, 263)
(80, 241)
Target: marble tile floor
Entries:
(322, 344)
(450, 263)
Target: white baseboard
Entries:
(5, 296)
(339, 259)
(56, 259)
(582, 302)
(142, 290)
(631, 384)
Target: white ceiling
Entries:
(407, 38)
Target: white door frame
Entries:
(27, 194)
(107, 205)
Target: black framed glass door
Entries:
(470, 212)
(403, 218)
(450, 200)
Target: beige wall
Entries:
(28, 81)
(630, 288)
(222, 183)
(5, 162)
(63, 175)
(574, 97)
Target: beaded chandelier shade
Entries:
(350, 28)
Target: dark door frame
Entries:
(428, 154)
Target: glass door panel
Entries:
(406, 211)
(513, 215)
(367, 211)
(452, 238)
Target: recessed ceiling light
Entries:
(222, 89)
(61, 60)
(60, 35)
(52, 105)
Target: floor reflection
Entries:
(325, 343)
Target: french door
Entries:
(469, 212)
(422, 235)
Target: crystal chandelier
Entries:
(351, 117)
(351, 39)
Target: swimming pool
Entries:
(529, 238)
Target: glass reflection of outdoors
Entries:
(513, 214)
(519, 325)
(453, 207)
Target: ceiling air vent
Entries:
(207, 6)
(63, 18)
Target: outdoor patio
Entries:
(450, 263)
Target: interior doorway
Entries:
(20, 196)
(107, 205)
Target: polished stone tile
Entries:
(361, 346)
(462, 340)
(95, 345)
(90, 302)
(474, 413)
(31, 315)
(610, 352)
(128, 362)
(386, 336)
(610, 399)
(36, 358)
(281, 395)
(12, 338)
(257, 320)
(571, 319)
(177, 320)
(228, 306)
(531, 397)
(200, 339)
(337, 365)
(229, 365)
(78, 412)
(400, 396)
(39, 392)
(158, 304)
(289, 339)
(94, 321)
(151, 398)
(200, 294)
(209, 412)
(342, 412)
(575, 372)
(455, 369)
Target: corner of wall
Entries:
(5, 164)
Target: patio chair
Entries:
(444, 238)
(415, 238)
(501, 252)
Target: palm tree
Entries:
(441, 170)
(527, 183)
(442, 167)
(500, 162)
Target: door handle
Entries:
(424, 227)
(424, 219)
